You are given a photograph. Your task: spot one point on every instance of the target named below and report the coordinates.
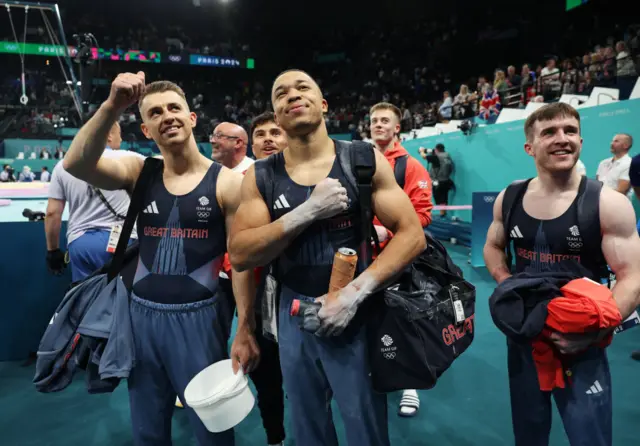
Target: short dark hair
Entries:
(298, 71)
(549, 112)
(262, 119)
(161, 87)
(387, 106)
(440, 147)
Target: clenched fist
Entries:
(329, 198)
(126, 89)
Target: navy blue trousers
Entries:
(585, 405)
(173, 343)
(317, 369)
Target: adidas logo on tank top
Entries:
(281, 203)
(151, 209)
(515, 233)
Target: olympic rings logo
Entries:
(390, 355)
(175, 58)
(203, 214)
(489, 199)
(575, 245)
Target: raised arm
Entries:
(621, 248)
(84, 159)
(495, 257)
(256, 240)
(244, 351)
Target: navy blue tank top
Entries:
(305, 265)
(182, 242)
(539, 244)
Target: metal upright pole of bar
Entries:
(67, 58)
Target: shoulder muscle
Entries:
(620, 241)
(384, 176)
(228, 188)
(253, 211)
(616, 213)
(495, 234)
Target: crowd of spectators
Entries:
(354, 73)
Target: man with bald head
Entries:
(229, 147)
(298, 208)
(614, 172)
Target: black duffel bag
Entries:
(424, 320)
(421, 323)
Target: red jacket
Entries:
(585, 306)
(417, 185)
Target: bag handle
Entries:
(135, 206)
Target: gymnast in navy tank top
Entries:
(305, 265)
(182, 242)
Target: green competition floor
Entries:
(468, 407)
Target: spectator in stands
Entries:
(44, 154)
(59, 152)
(586, 85)
(45, 176)
(527, 77)
(528, 85)
(609, 62)
(512, 78)
(416, 183)
(624, 61)
(406, 119)
(595, 67)
(267, 138)
(482, 81)
(614, 172)
(446, 108)
(569, 78)
(500, 82)
(490, 105)
(586, 63)
(229, 147)
(27, 176)
(462, 105)
(7, 174)
(550, 79)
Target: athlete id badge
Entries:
(113, 238)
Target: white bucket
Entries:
(221, 398)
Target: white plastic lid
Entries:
(226, 388)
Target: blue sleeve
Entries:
(634, 171)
